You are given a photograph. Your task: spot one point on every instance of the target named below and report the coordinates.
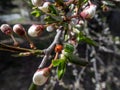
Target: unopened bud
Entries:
(37, 3)
(45, 7)
(89, 12)
(50, 28)
(35, 30)
(19, 29)
(41, 76)
(5, 28)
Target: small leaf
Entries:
(61, 69)
(76, 60)
(53, 9)
(90, 41)
(68, 48)
(56, 62)
(32, 87)
(52, 19)
(83, 38)
(36, 13)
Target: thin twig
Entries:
(4, 47)
(51, 47)
(98, 86)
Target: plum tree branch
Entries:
(51, 47)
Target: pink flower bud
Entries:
(89, 12)
(19, 29)
(35, 30)
(5, 28)
(41, 76)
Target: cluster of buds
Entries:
(74, 25)
(5, 28)
(33, 31)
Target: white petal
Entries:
(39, 78)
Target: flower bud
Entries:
(74, 21)
(50, 28)
(89, 12)
(35, 30)
(58, 48)
(19, 29)
(41, 76)
(37, 3)
(5, 28)
(45, 7)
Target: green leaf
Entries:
(61, 69)
(90, 41)
(76, 60)
(68, 48)
(53, 10)
(32, 87)
(56, 62)
(52, 19)
(83, 38)
(36, 13)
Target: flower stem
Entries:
(56, 56)
(31, 43)
(14, 40)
